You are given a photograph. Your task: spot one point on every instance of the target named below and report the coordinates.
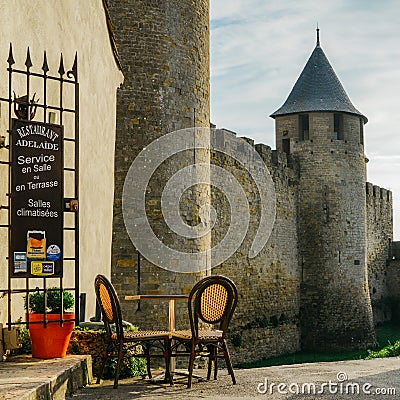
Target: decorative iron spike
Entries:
(75, 66)
(74, 70)
(28, 62)
(45, 67)
(10, 59)
(61, 69)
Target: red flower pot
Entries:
(50, 341)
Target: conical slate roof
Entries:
(317, 89)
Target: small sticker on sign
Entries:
(36, 247)
(53, 252)
(20, 262)
(42, 268)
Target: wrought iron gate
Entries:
(48, 101)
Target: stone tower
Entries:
(164, 51)
(319, 125)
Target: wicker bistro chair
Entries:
(213, 301)
(116, 336)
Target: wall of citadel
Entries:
(164, 51)
(393, 279)
(266, 321)
(379, 243)
(332, 233)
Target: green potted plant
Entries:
(50, 339)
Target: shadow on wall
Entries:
(396, 250)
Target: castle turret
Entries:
(164, 52)
(319, 125)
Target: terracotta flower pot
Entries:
(50, 341)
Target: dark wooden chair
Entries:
(117, 337)
(212, 301)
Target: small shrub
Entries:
(262, 322)
(86, 341)
(283, 318)
(130, 367)
(25, 342)
(274, 321)
(391, 350)
(36, 301)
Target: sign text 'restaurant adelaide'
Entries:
(50, 142)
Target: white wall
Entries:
(68, 26)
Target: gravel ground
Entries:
(358, 379)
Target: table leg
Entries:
(171, 325)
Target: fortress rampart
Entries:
(379, 245)
(164, 52)
(266, 322)
(308, 287)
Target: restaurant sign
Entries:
(36, 199)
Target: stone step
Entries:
(27, 378)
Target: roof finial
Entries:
(317, 35)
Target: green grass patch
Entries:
(391, 350)
(386, 335)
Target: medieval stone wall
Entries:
(393, 284)
(308, 286)
(164, 51)
(379, 243)
(335, 305)
(266, 322)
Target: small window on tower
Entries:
(338, 127)
(304, 127)
(361, 131)
(286, 145)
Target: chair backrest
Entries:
(213, 301)
(108, 301)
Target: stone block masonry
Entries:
(164, 52)
(266, 322)
(335, 305)
(312, 284)
(379, 245)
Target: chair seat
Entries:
(205, 334)
(138, 335)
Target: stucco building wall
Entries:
(69, 26)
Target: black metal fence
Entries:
(46, 98)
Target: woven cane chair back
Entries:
(213, 301)
(109, 304)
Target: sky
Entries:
(260, 47)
